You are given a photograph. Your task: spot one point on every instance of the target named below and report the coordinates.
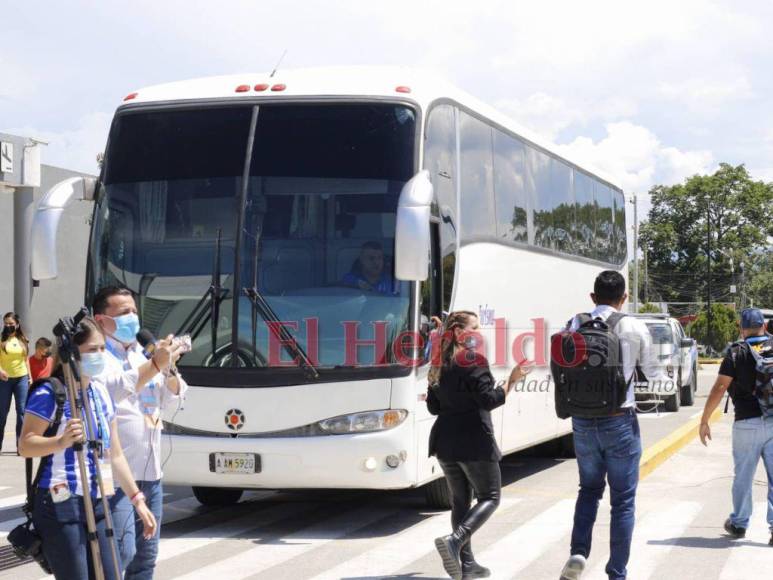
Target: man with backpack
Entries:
(593, 364)
(747, 374)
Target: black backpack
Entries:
(587, 367)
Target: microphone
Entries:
(147, 341)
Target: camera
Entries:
(27, 543)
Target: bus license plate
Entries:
(240, 463)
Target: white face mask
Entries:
(92, 363)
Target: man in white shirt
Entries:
(610, 447)
(142, 388)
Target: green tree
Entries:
(739, 213)
(759, 289)
(649, 307)
(724, 327)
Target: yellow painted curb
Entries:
(656, 454)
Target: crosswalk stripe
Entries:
(526, 543)
(750, 557)
(396, 552)
(666, 522)
(262, 557)
(202, 537)
(12, 501)
(8, 525)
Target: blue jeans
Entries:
(752, 439)
(610, 448)
(143, 564)
(17, 388)
(62, 526)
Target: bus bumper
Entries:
(334, 461)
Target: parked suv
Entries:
(680, 355)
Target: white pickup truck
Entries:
(680, 355)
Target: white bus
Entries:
(349, 203)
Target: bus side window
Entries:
(440, 160)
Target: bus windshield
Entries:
(316, 249)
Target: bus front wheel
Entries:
(217, 496)
(437, 494)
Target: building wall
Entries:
(64, 295)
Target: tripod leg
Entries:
(109, 529)
(88, 506)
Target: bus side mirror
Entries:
(45, 223)
(412, 229)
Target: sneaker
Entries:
(734, 531)
(770, 543)
(573, 568)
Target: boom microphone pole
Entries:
(64, 332)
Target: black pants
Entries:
(484, 479)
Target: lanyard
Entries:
(123, 358)
(103, 428)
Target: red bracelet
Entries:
(132, 498)
(155, 365)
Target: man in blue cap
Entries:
(753, 427)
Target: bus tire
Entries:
(567, 446)
(437, 494)
(217, 496)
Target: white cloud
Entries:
(634, 156)
(706, 92)
(74, 148)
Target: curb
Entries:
(656, 454)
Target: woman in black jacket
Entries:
(462, 393)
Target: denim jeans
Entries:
(17, 388)
(62, 526)
(143, 564)
(752, 439)
(610, 448)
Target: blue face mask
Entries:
(92, 363)
(126, 327)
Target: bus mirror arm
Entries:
(412, 236)
(45, 223)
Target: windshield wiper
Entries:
(214, 295)
(260, 306)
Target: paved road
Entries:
(364, 536)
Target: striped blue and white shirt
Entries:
(64, 465)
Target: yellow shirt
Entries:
(14, 359)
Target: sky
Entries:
(650, 92)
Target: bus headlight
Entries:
(364, 422)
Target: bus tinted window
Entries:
(538, 168)
(585, 216)
(562, 202)
(621, 243)
(605, 224)
(510, 188)
(440, 161)
(477, 195)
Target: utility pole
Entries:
(646, 278)
(635, 255)
(709, 318)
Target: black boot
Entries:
(470, 568)
(449, 548)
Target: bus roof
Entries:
(411, 84)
